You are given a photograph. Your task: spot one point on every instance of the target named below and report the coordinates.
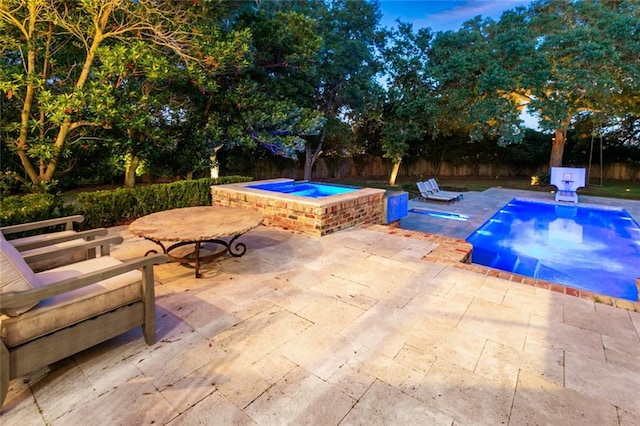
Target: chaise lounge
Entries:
(436, 190)
(428, 194)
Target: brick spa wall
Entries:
(313, 216)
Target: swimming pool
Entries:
(305, 188)
(587, 247)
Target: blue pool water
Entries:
(305, 188)
(591, 248)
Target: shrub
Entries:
(17, 209)
(539, 179)
(123, 205)
(112, 207)
(107, 208)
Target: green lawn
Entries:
(612, 189)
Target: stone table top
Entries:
(195, 223)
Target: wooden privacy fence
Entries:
(347, 168)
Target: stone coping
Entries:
(245, 188)
(457, 253)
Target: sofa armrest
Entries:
(102, 244)
(67, 221)
(57, 239)
(21, 298)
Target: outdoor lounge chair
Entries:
(48, 240)
(427, 193)
(56, 313)
(44, 230)
(436, 189)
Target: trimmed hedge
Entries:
(112, 207)
(17, 209)
(123, 205)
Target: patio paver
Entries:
(356, 327)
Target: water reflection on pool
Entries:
(586, 247)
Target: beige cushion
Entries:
(77, 256)
(16, 275)
(70, 308)
(19, 242)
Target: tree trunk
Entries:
(557, 146)
(308, 161)
(311, 156)
(130, 172)
(22, 144)
(215, 164)
(67, 125)
(394, 171)
(215, 168)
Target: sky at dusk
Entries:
(442, 15)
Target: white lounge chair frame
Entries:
(45, 239)
(436, 189)
(427, 193)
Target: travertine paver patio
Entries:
(350, 328)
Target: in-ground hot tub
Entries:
(310, 207)
(305, 188)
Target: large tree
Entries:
(315, 65)
(50, 50)
(468, 87)
(589, 52)
(135, 80)
(409, 110)
(347, 65)
(254, 103)
(555, 58)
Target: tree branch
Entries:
(83, 123)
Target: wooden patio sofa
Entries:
(56, 313)
(52, 234)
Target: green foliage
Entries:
(123, 205)
(262, 106)
(108, 208)
(409, 107)
(127, 87)
(540, 179)
(95, 164)
(555, 58)
(315, 63)
(170, 83)
(17, 209)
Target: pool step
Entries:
(551, 274)
(504, 261)
(522, 265)
(526, 266)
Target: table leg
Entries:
(236, 249)
(198, 259)
(232, 247)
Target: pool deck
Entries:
(357, 327)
